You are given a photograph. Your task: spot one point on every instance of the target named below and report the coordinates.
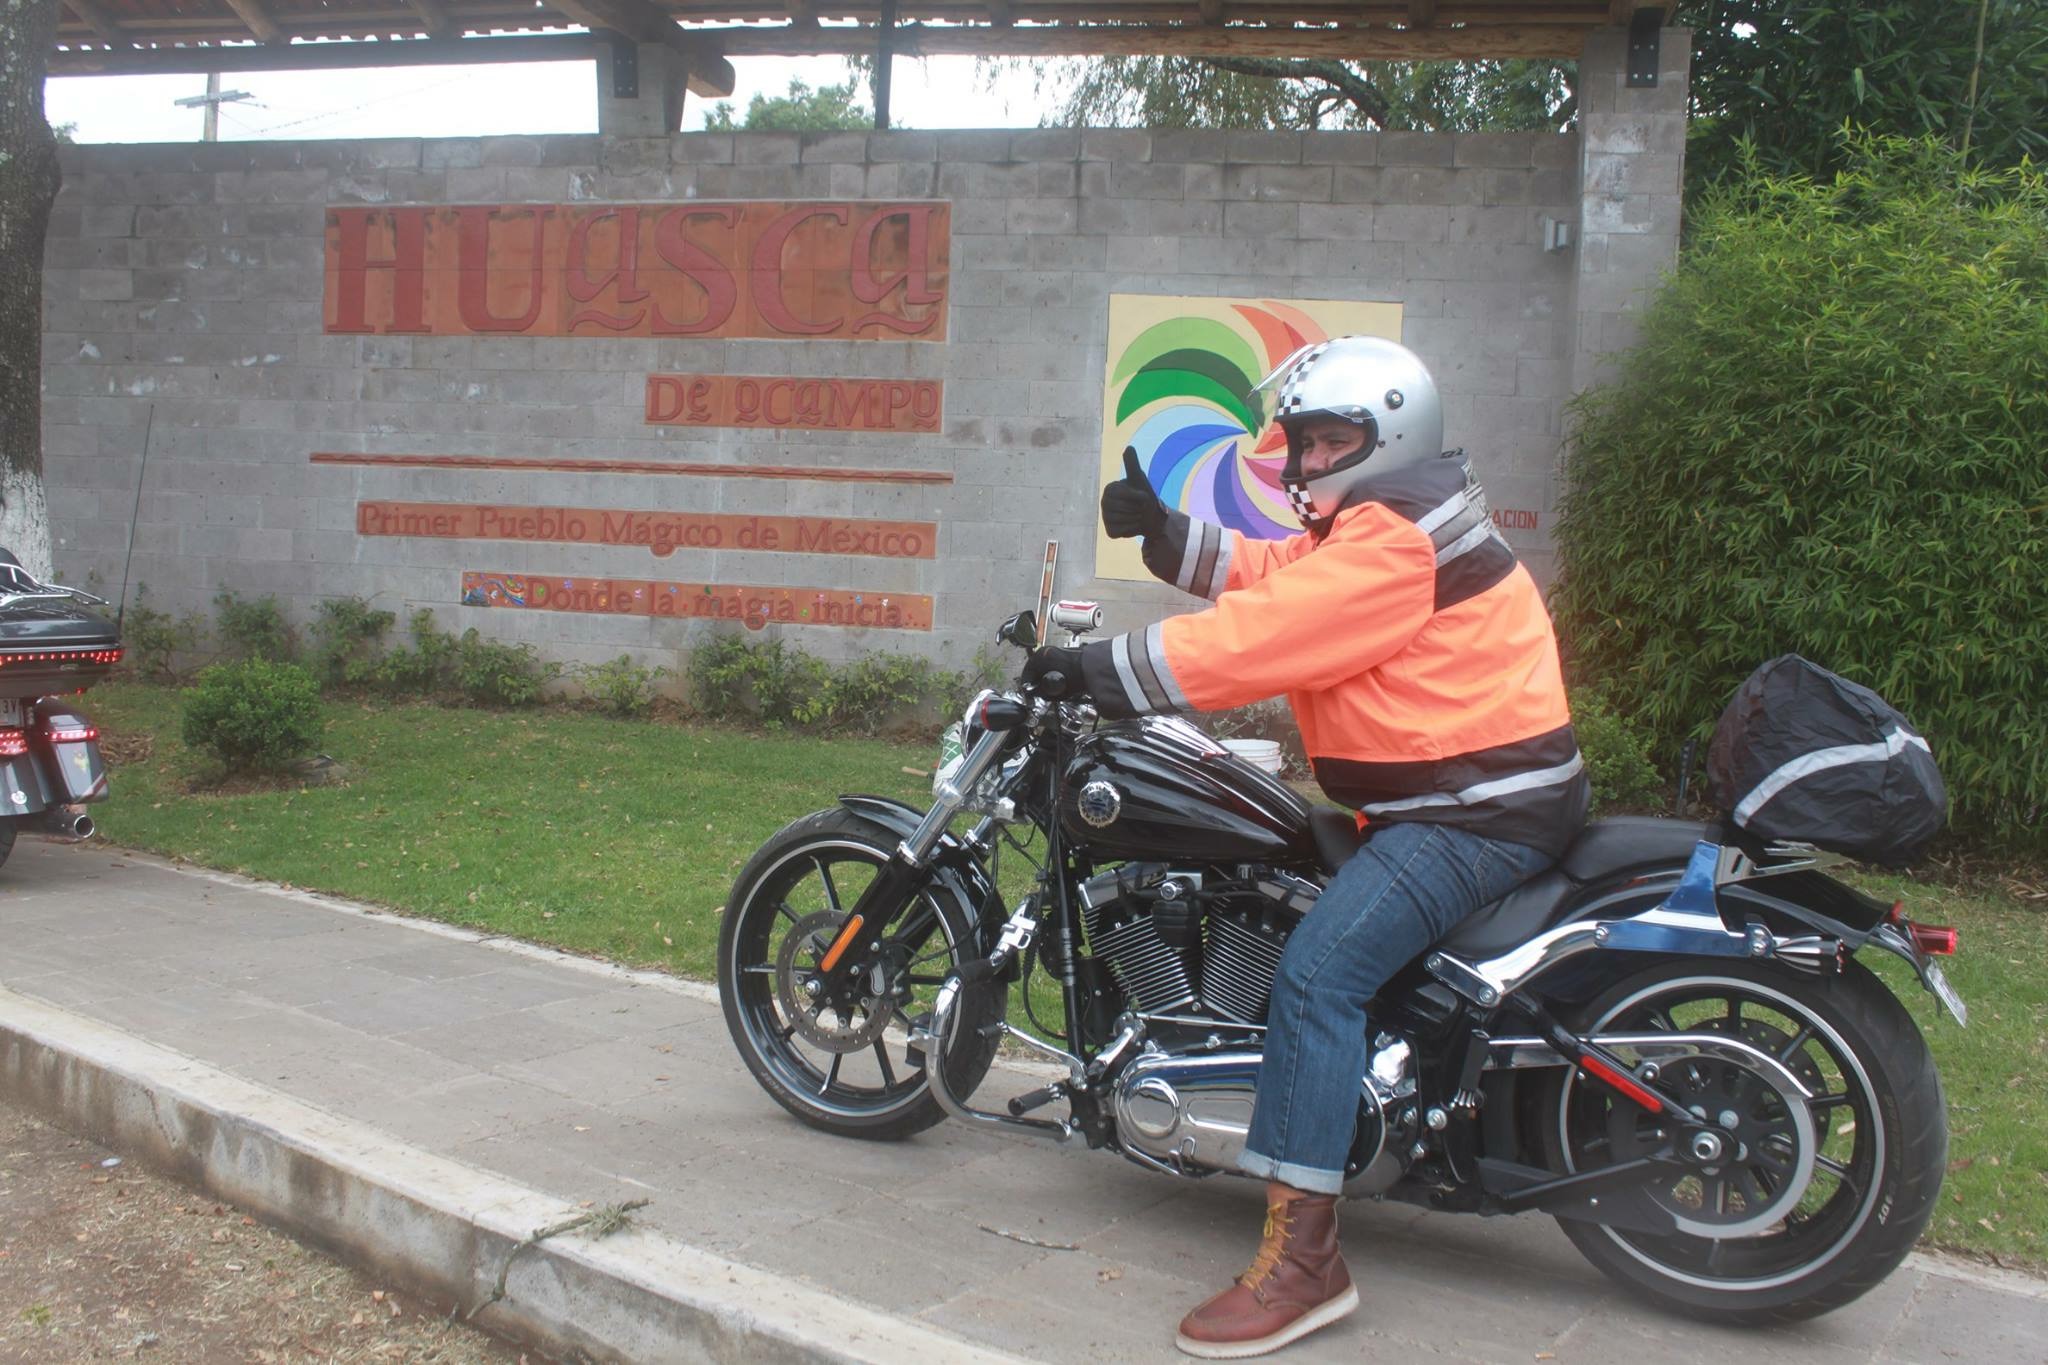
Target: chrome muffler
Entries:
(70, 822)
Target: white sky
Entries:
(469, 101)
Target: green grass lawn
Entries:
(616, 838)
(621, 838)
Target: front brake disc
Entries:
(819, 1022)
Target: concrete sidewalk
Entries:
(529, 1080)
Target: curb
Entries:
(443, 1228)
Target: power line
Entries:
(366, 104)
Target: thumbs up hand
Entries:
(1129, 506)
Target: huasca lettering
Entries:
(852, 270)
(663, 533)
(910, 405)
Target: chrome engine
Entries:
(1195, 957)
(1190, 1112)
(1162, 930)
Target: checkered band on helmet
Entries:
(1290, 398)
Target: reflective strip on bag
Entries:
(1820, 760)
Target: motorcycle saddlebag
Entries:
(1802, 753)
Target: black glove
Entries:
(1129, 506)
(1054, 673)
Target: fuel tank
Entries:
(1159, 788)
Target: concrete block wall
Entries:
(184, 289)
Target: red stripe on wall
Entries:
(723, 471)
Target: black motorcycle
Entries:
(1666, 1041)
(52, 647)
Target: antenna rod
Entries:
(148, 425)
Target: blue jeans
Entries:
(1406, 888)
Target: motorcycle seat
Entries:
(1336, 834)
(1514, 919)
(1604, 849)
(1627, 842)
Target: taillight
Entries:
(13, 742)
(71, 734)
(1935, 940)
(49, 656)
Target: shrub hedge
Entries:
(1832, 437)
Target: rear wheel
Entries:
(8, 828)
(1829, 1191)
(846, 1070)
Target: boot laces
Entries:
(1272, 1247)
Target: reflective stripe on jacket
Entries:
(1414, 647)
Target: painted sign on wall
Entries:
(1178, 387)
(757, 401)
(840, 270)
(662, 533)
(750, 606)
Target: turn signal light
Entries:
(1935, 940)
(13, 742)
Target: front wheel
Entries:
(1830, 1192)
(846, 1069)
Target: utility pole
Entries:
(213, 99)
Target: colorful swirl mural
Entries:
(1184, 395)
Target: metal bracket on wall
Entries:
(1644, 29)
(626, 68)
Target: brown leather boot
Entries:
(1297, 1283)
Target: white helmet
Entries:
(1369, 382)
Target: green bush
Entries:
(619, 686)
(1617, 753)
(419, 671)
(154, 639)
(348, 641)
(864, 695)
(255, 628)
(254, 715)
(488, 673)
(776, 685)
(1829, 439)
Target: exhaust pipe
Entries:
(70, 822)
(935, 1042)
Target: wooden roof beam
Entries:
(706, 71)
(1212, 13)
(99, 21)
(195, 60)
(252, 13)
(1421, 13)
(1233, 40)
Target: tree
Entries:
(802, 110)
(1785, 76)
(28, 187)
(1273, 92)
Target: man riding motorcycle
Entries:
(1423, 671)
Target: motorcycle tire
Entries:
(802, 1062)
(8, 832)
(1880, 1135)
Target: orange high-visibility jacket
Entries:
(1414, 647)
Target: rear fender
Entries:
(1819, 903)
(958, 865)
